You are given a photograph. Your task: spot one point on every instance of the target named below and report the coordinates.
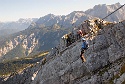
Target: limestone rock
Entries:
(104, 62)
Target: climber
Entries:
(98, 23)
(84, 47)
(64, 41)
(71, 38)
(68, 40)
(80, 34)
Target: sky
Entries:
(12, 10)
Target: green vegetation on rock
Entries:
(18, 65)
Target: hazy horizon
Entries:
(14, 10)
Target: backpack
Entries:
(85, 45)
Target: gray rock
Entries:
(104, 61)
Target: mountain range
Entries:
(105, 62)
(103, 10)
(45, 33)
(7, 28)
(76, 17)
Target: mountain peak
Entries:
(118, 4)
(29, 20)
(50, 15)
(103, 10)
(76, 12)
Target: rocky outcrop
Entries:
(105, 61)
(29, 43)
(25, 77)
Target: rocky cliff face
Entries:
(11, 47)
(29, 42)
(105, 62)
